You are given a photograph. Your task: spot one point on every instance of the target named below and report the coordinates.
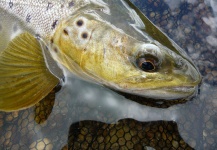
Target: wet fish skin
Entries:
(107, 56)
(95, 50)
(41, 16)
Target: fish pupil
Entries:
(146, 64)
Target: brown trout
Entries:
(81, 41)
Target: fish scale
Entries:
(41, 16)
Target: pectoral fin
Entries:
(24, 78)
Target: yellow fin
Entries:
(24, 77)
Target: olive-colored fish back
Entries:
(24, 77)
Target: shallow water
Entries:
(192, 25)
(96, 118)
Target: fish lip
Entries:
(184, 89)
(176, 92)
(164, 93)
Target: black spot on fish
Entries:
(54, 24)
(55, 50)
(28, 18)
(84, 35)
(79, 23)
(11, 4)
(71, 4)
(65, 32)
(51, 40)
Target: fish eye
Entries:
(147, 64)
(79, 23)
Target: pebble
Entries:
(1, 122)
(114, 139)
(152, 14)
(120, 133)
(8, 134)
(175, 144)
(41, 144)
(214, 73)
(209, 125)
(9, 118)
(121, 141)
(187, 30)
(129, 145)
(210, 141)
(127, 136)
(192, 142)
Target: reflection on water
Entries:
(102, 101)
(91, 116)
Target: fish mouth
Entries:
(184, 89)
(170, 93)
(166, 93)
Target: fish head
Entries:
(95, 50)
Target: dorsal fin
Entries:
(24, 77)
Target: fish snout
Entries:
(188, 70)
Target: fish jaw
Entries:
(94, 50)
